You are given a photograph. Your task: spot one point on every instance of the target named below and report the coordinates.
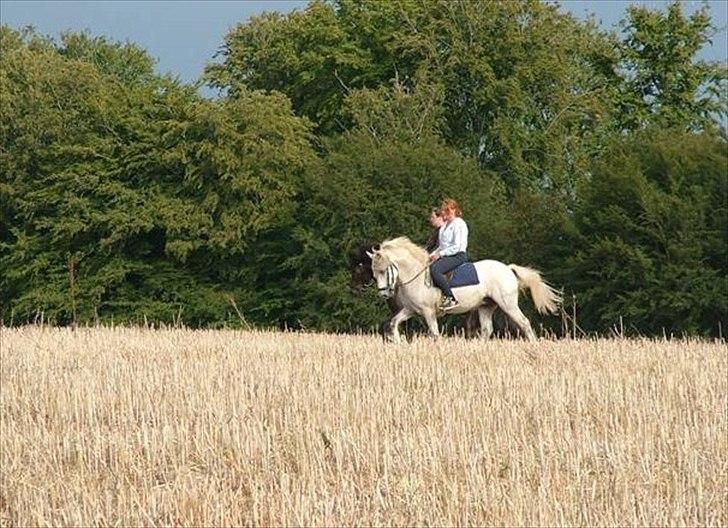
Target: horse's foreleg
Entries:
(431, 319)
(399, 317)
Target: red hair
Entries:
(448, 204)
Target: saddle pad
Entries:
(464, 275)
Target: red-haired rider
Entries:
(451, 250)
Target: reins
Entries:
(404, 283)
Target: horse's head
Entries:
(385, 272)
(360, 264)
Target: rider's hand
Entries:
(434, 256)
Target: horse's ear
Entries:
(370, 255)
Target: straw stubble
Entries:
(156, 427)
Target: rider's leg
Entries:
(442, 266)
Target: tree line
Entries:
(596, 156)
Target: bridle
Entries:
(392, 272)
(392, 276)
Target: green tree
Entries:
(653, 224)
(305, 55)
(661, 81)
(524, 88)
(127, 195)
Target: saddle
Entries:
(464, 275)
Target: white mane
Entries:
(403, 247)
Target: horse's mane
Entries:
(404, 247)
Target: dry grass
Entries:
(141, 427)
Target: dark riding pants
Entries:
(442, 266)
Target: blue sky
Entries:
(184, 35)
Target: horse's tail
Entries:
(546, 298)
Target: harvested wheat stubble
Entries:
(157, 427)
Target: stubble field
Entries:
(168, 427)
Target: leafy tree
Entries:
(661, 81)
(653, 224)
(304, 55)
(128, 195)
(129, 63)
(523, 85)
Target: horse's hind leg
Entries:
(472, 324)
(485, 314)
(510, 306)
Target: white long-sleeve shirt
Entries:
(453, 237)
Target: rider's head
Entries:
(436, 218)
(450, 209)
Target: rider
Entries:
(436, 221)
(451, 251)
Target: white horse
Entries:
(401, 269)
